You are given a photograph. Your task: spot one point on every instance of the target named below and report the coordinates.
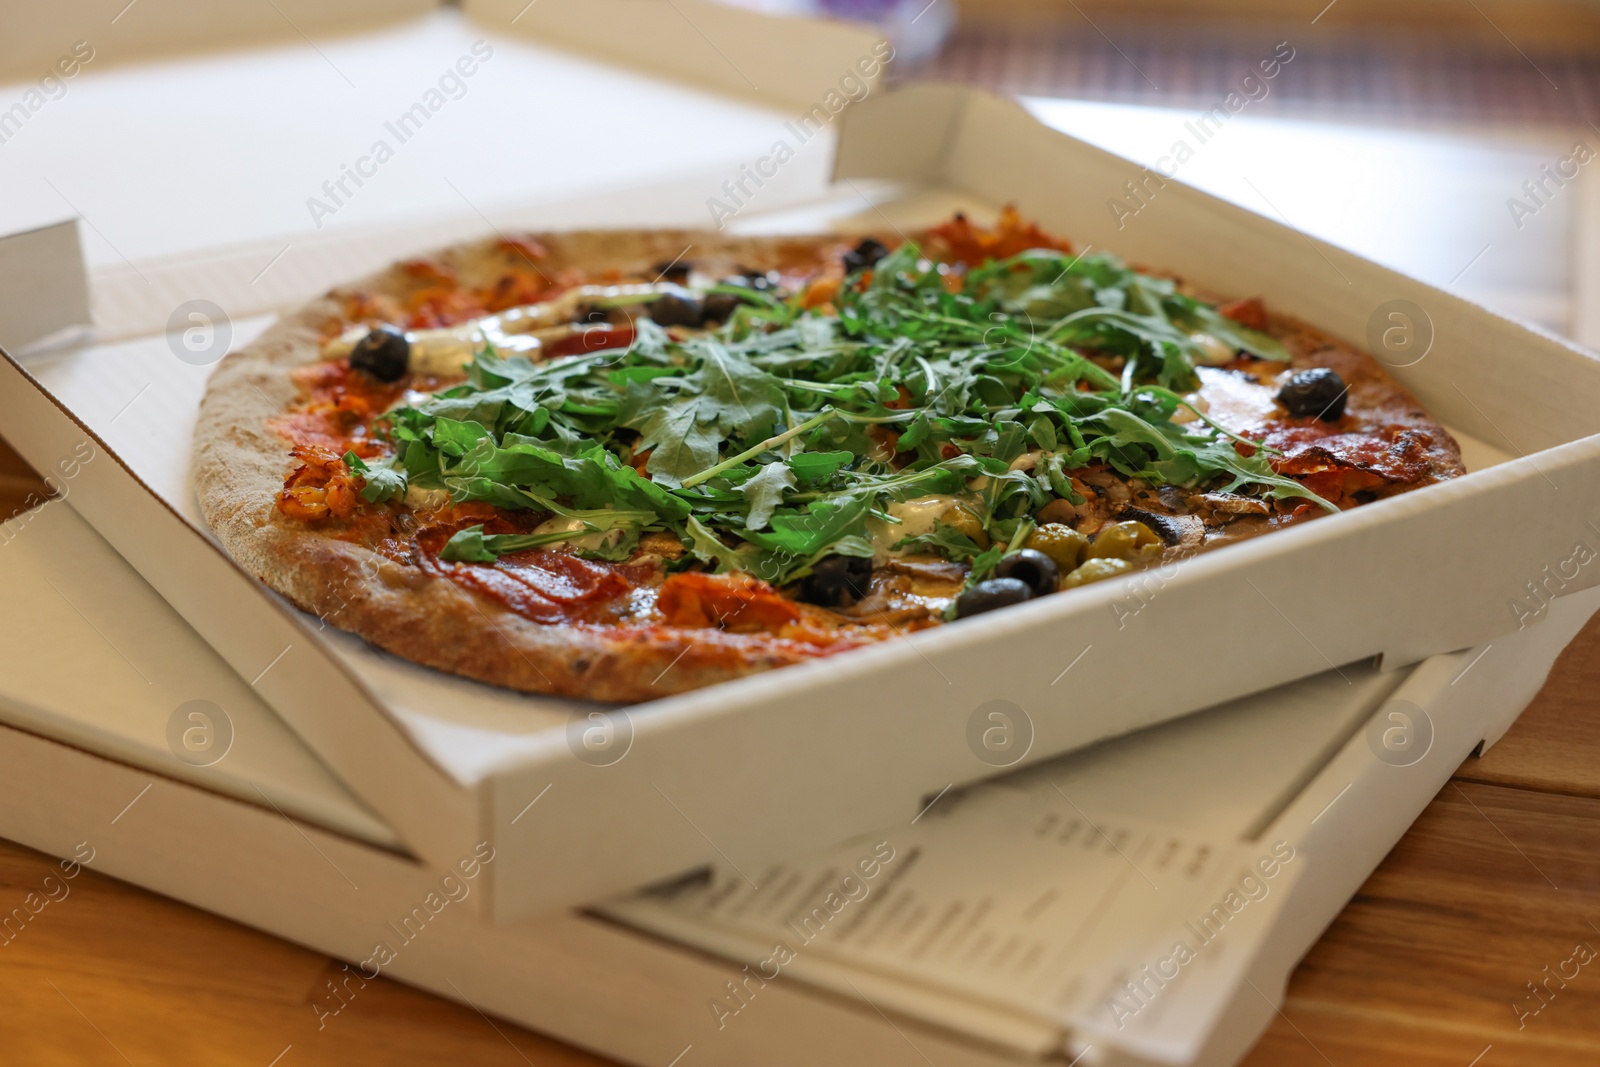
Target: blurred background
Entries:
(1377, 60)
(1443, 138)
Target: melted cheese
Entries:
(525, 330)
(591, 541)
(419, 499)
(916, 517)
(1236, 402)
(1213, 351)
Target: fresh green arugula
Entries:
(785, 435)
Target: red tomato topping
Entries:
(973, 245)
(543, 585)
(1251, 313)
(735, 601)
(593, 339)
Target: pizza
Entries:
(618, 465)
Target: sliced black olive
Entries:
(719, 307)
(1166, 527)
(837, 581)
(677, 309)
(1034, 569)
(383, 353)
(1317, 393)
(991, 594)
(864, 255)
(676, 272)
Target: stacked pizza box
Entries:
(910, 851)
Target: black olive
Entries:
(1317, 393)
(677, 309)
(595, 315)
(719, 307)
(1034, 569)
(864, 255)
(754, 279)
(837, 581)
(383, 353)
(991, 594)
(676, 272)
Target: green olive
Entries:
(1060, 542)
(1126, 541)
(963, 521)
(1096, 570)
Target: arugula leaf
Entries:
(921, 381)
(472, 545)
(383, 482)
(467, 546)
(946, 541)
(705, 546)
(1166, 455)
(1235, 334)
(814, 468)
(457, 438)
(765, 492)
(797, 534)
(984, 563)
(684, 421)
(591, 478)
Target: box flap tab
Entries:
(902, 136)
(46, 287)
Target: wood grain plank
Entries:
(1556, 745)
(110, 974)
(1431, 962)
(1549, 24)
(14, 465)
(1428, 965)
(20, 487)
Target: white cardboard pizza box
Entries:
(581, 802)
(1272, 809)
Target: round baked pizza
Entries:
(618, 465)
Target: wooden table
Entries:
(1495, 887)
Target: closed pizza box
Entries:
(581, 801)
(956, 936)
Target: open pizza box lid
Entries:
(582, 802)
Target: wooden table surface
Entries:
(1495, 890)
